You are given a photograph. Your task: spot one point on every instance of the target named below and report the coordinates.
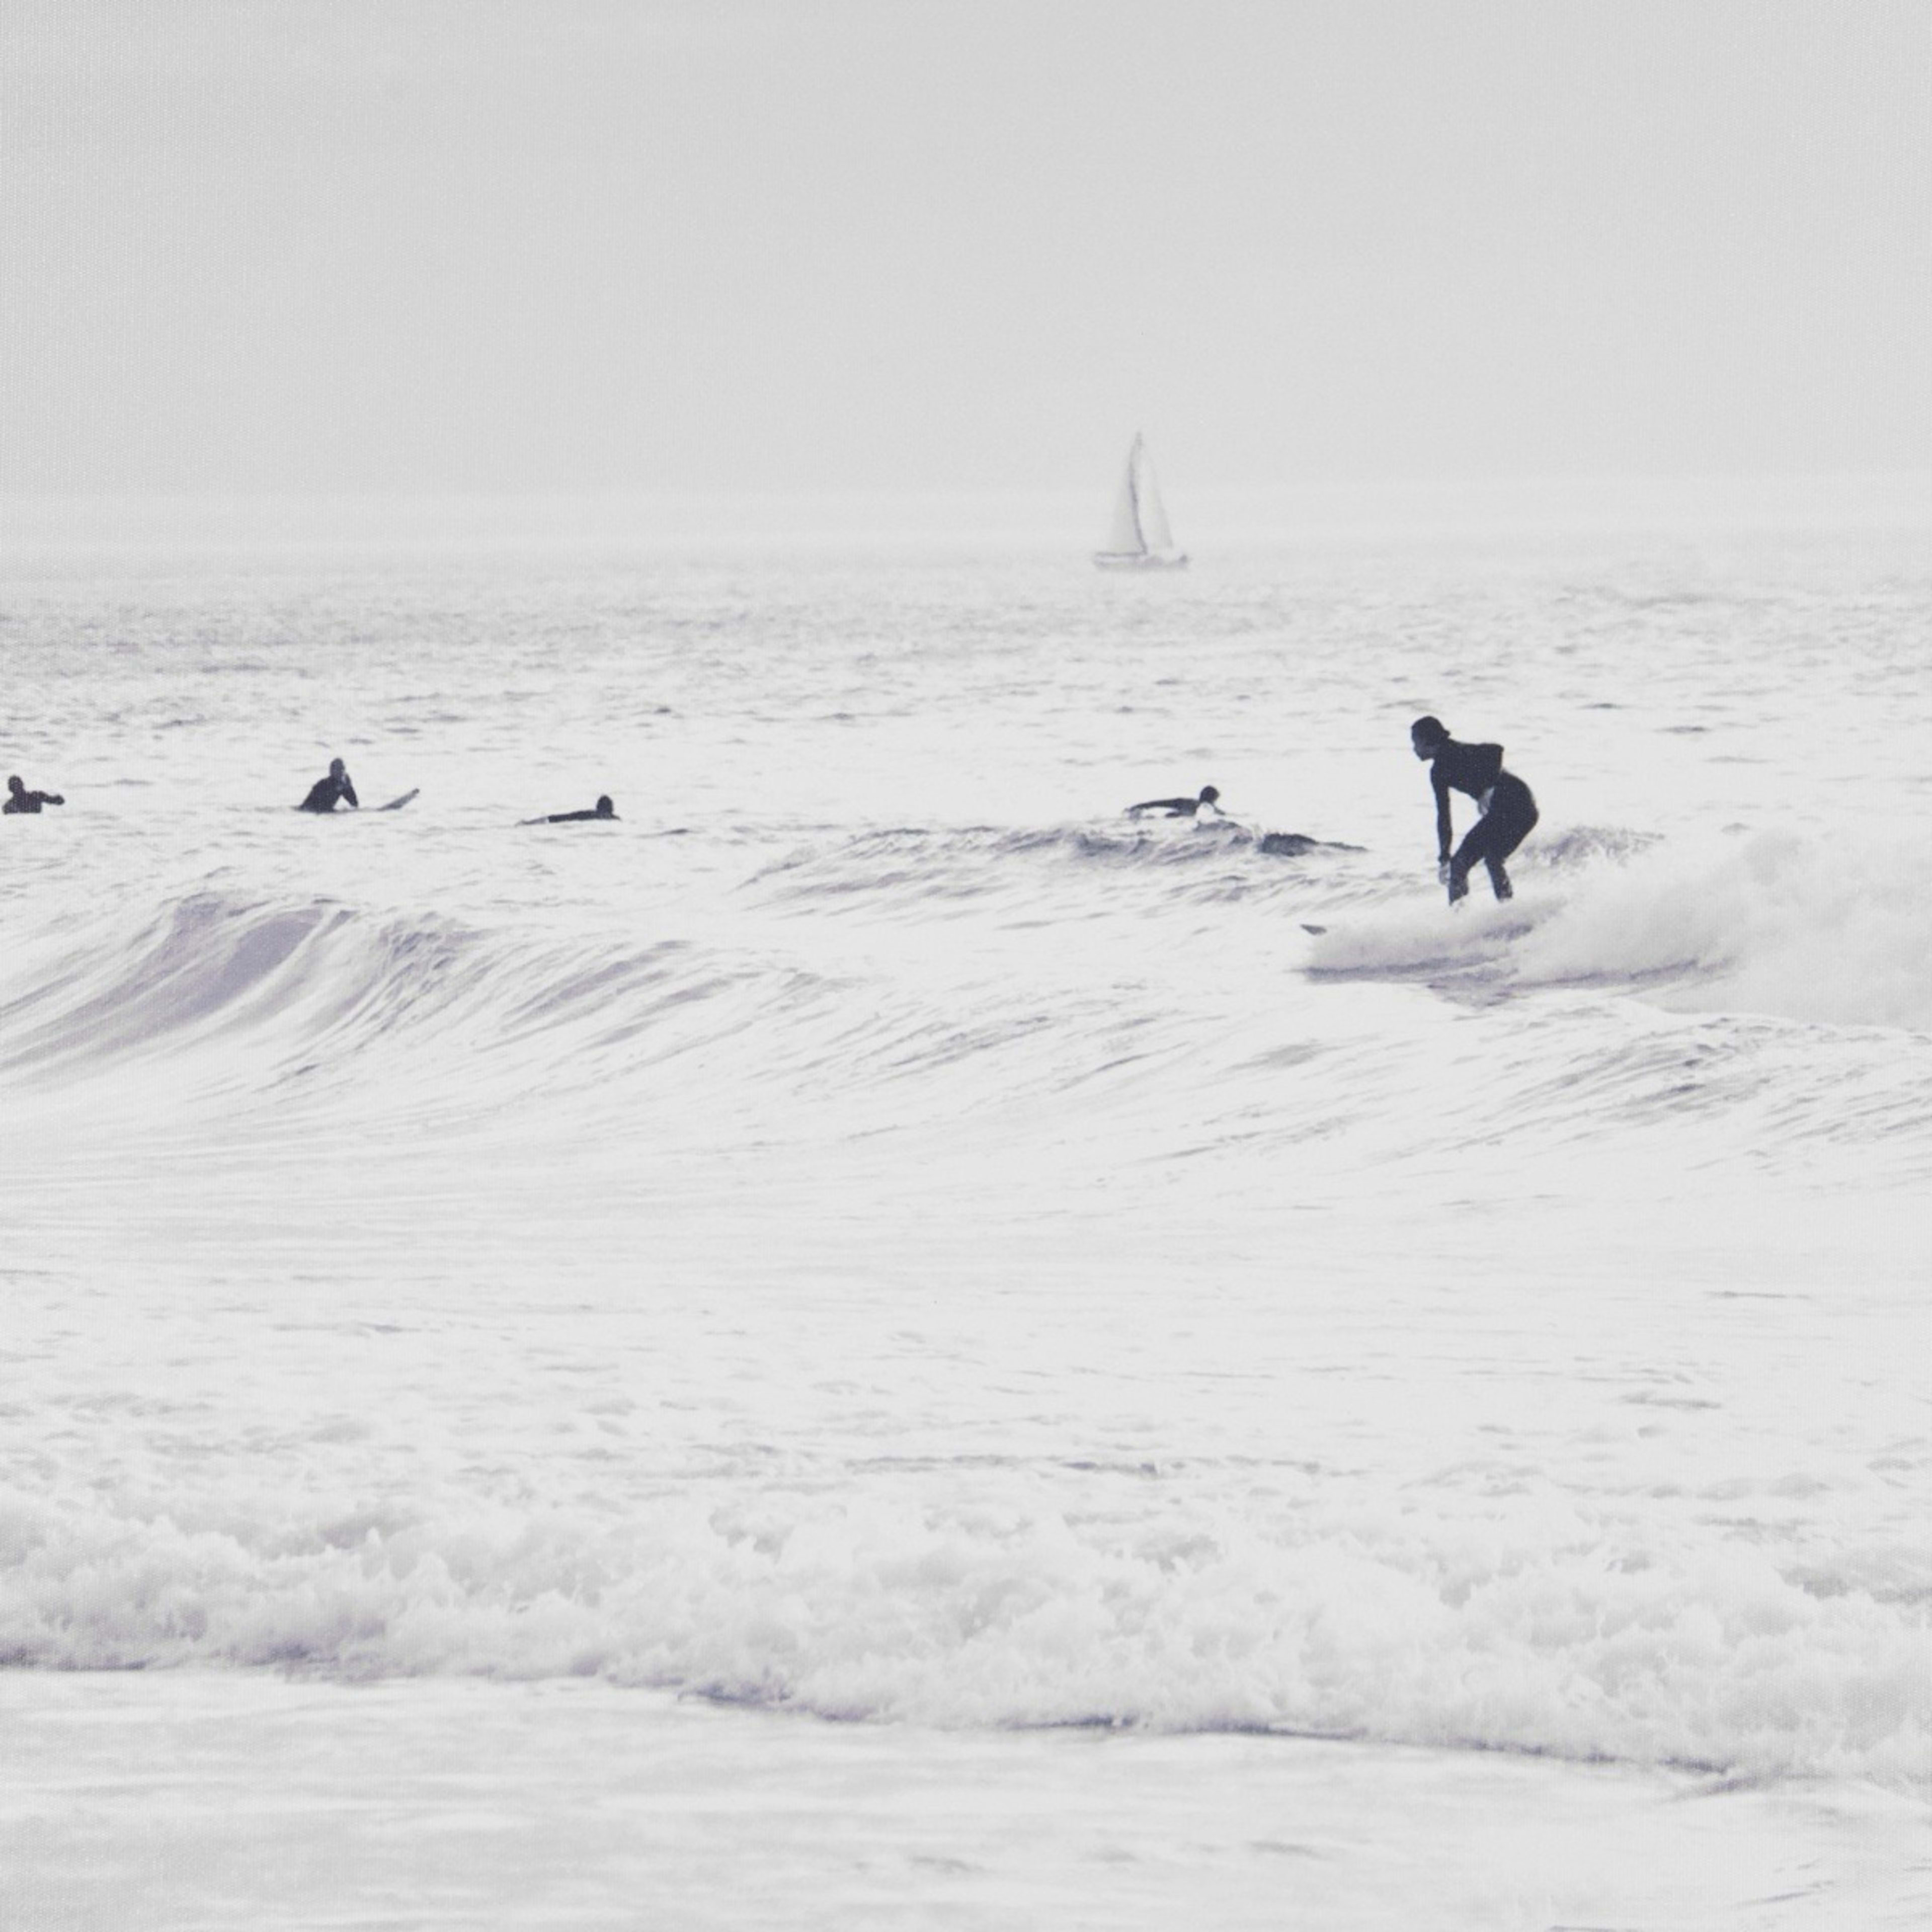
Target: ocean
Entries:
(878, 1342)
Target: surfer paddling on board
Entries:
(603, 809)
(1179, 808)
(1508, 811)
(19, 799)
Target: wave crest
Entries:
(249, 991)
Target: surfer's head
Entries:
(605, 809)
(1209, 794)
(337, 768)
(15, 786)
(1428, 736)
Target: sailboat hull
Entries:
(1145, 559)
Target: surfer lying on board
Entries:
(1508, 811)
(323, 793)
(605, 809)
(1179, 808)
(19, 799)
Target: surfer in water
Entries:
(604, 808)
(324, 793)
(19, 799)
(1179, 808)
(1507, 812)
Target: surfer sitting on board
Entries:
(19, 799)
(1508, 812)
(605, 809)
(323, 793)
(1179, 808)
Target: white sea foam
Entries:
(1537, 1626)
(1797, 924)
(1801, 924)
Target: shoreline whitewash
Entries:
(437, 1803)
(875, 1235)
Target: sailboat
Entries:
(1140, 538)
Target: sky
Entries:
(563, 246)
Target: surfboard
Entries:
(396, 804)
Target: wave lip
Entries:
(230, 992)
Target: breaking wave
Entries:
(1790, 924)
(1545, 1625)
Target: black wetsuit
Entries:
(1174, 808)
(572, 818)
(30, 801)
(323, 793)
(1509, 812)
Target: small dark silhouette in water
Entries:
(19, 799)
(1179, 808)
(604, 809)
(1507, 811)
(1299, 844)
(324, 793)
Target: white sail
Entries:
(1124, 537)
(1155, 535)
(1139, 537)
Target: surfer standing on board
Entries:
(19, 799)
(323, 793)
(1508, 812)
(1179, 808)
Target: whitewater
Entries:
(878, 1341)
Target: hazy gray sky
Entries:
(328, 245)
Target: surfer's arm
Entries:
(349, 792)
(1445, 832)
